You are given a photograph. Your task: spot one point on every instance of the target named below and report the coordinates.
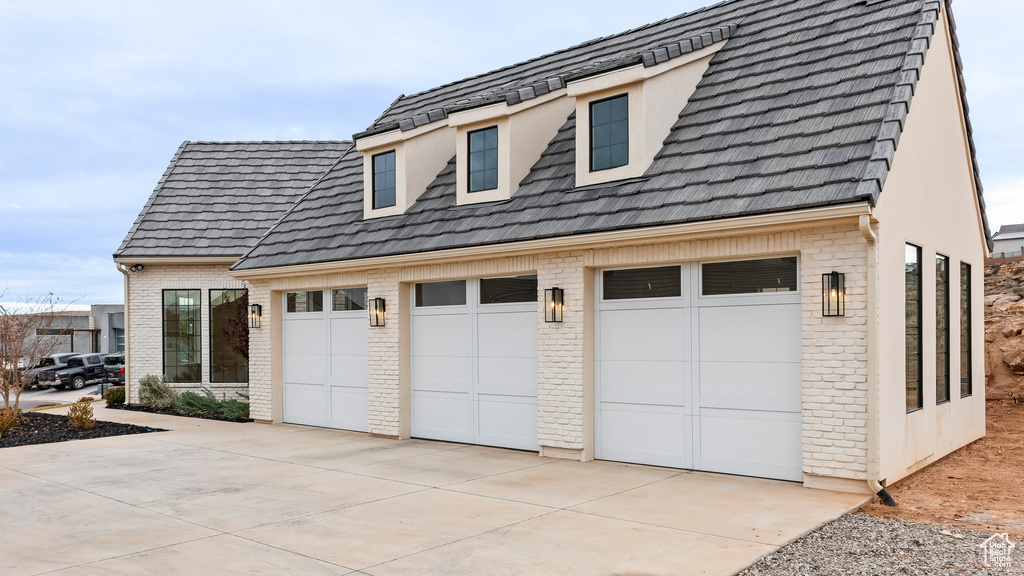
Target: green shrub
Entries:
(114, 396)
(155, 394)
(80, 415)
(206, 404)
(235, 409)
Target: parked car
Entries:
(80, 370)
(51, 362)
(114, 366)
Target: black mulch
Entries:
(173, 412)
(40, 428)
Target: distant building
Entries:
(1010, 238)
(99, 329)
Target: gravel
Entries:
(858, 544)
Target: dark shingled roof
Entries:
(1007, 229)
(803, 107)
(218, 198)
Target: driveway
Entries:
(221, 498)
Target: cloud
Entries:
(1004, 201)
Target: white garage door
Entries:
(325, 358)
(474, 361)
(698, 366)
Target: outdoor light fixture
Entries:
(554, 304)
(833, 294)
(136, 268)
(255, 315)
(376, 312)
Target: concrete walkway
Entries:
(221, 498)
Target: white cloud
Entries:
(1004, 202)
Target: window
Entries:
(298, 302)
(118, 339)
(94, 360)
(609, 133)
(663, 282)
(229, 335)
(506, 290)
(749, 276)
(912, 269)
(941, 329)
(966, 365)
(384, 180)
(345, 299)
(451, 293)
(182, 338)
(483, 159)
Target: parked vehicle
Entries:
(114, 366)
(51, 362)
(80, 370)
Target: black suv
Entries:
(51, 362)
(80, 370)
(114, 365)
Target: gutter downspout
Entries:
(874, 401)
(127, 336)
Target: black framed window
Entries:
(609, 133)
(507, 290)
(451, 293)
(749, 276)
(483, 159)
(298, 302)
(384, 180)
(941, 329)
(966, 365)
(182, 336)
(229, 335)
(344, 299)
(912, 270)
(661, 282)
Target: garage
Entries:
(325, 358)
(473, 352)
(698, 366)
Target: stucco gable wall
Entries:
(929, 200)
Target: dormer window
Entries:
(609, 133)
(483, 159)
(384, 180)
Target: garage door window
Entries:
(441, 294)
(305, 302)
(507, 290)
(348, 299)
(749, 277)
(663, 282)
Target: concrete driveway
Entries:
(221, 498)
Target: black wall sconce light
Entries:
(554, 304)
(377, 312)
(833, 294)
(255, 315)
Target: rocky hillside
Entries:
(1004, 331)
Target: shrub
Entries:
(114, 396)
(192, 404)
(80, 415)
(8, 418)
(154, 393)
(235, 409)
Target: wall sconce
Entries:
(255, 315)
(377, 312)
(554, 304)
(833, 294)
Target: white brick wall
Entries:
(385, 394)
(145, 315)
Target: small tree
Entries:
(237, 330)
(29, 331)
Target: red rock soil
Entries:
(981, 486)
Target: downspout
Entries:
(127, 336)
(874, 401)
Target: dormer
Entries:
(624, 116)
(399, 165)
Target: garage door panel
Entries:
(507, 335)
(349, 371)
(507, 421)
(654, 435)
(442, 416)
(304, 369)
(350, 408)
(649, 382)
(308, 335)
(349, 336)
(442, 374)
(752, 443)
(444, 335)
(771, 386)
(645, 335)
(511, 376)
(304, 404)
(750, 333)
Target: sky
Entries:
(96, 96)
